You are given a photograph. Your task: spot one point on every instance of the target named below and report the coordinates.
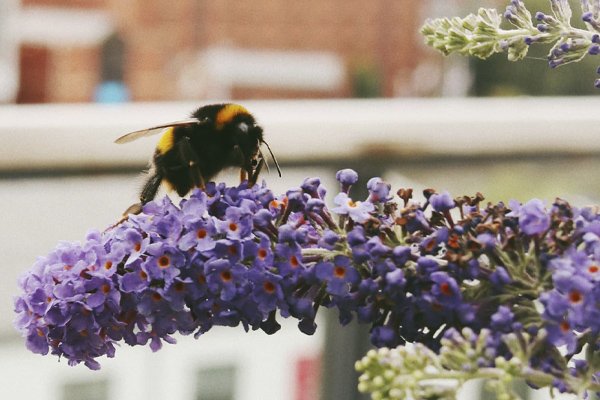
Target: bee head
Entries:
(239, 128)
(247, 136)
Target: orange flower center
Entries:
(269, 287)
(164, 261)
(575, 297)
(446, 289)
(294, 261)
(226, 276)
(339, 272)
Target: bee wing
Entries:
(131, 136)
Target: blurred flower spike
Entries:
(485, 290)
(480, 34)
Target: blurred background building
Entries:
(155, 50)
(303, 68)
(110, 51)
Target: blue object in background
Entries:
(112, 92)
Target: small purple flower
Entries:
(347, 178)
(561, 334)
(556, 305)
(165, 263)
(266, 290)
(338, 275)
(175, 293)
(395, 281)
(329, 239)
(134, 280)
(534, 219)
(100, 290)
(37, 341)
(296, 200)
(225, 278)
(315, 206)
(502, 320)
(311, 186)
(133, 242)
(261, 251)
(417, 221)
(487, 240)
(195, 207)
(376, 248)
(237, 224)
(445, 290)
(385, 336)
(401, 254)
(427, 265)
(500, 277)
(160, 217)
(290, 264)
(358, 211)
(442, 202)
(356, 236)
(379, 190)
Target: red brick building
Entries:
(194, 49)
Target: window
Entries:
(216, 383)
(91, 390)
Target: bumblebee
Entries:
(191, 152)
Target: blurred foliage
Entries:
(496, 76)
(366, 81)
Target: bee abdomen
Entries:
(166, 141)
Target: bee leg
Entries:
(149, 190)
(148, 193)
(254, 176)
(132, 209)
(190, 161)
(243, 175)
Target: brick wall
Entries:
(375, 35)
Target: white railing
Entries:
(75, 135)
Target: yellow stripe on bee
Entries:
(166, 141)
(227, 113)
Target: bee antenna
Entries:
(274, 159)
(262, 157)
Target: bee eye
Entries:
(243, 127)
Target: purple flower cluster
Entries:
(235, 256)
(480, 34)
(569, 49)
